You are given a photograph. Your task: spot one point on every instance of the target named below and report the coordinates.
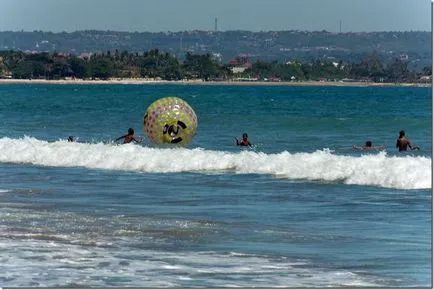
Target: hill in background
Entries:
(282, 46)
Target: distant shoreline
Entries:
(200, 82)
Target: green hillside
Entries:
(414, 47)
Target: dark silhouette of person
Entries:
(129, 137)
(245, 141)
(402, 142)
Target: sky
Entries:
(181, 15)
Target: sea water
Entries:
(299, 209)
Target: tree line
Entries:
(162, 65)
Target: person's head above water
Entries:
(130, 131)
(401, 133)
(368, 144)
(245, 136)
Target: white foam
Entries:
(98, 267)
(401, 172)
(55, 256)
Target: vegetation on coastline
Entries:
(304, 46)
(155, 64)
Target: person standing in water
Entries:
(129, 137)
(245, 141)
(402, 143)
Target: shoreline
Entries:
(201, 82)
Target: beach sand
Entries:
(201, 82)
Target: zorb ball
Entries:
(170, 120)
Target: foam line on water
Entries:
(400, 172)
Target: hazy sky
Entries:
(178, 15)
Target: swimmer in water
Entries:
(368, 146)
(402, 143)
(129, 137)
(245, 141)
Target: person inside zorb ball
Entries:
(170, 120)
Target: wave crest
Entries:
(400, 172)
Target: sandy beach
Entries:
(201, 82)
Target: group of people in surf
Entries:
(402, 143)
(129, 137)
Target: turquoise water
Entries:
(300, 209)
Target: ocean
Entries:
(300, 208)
